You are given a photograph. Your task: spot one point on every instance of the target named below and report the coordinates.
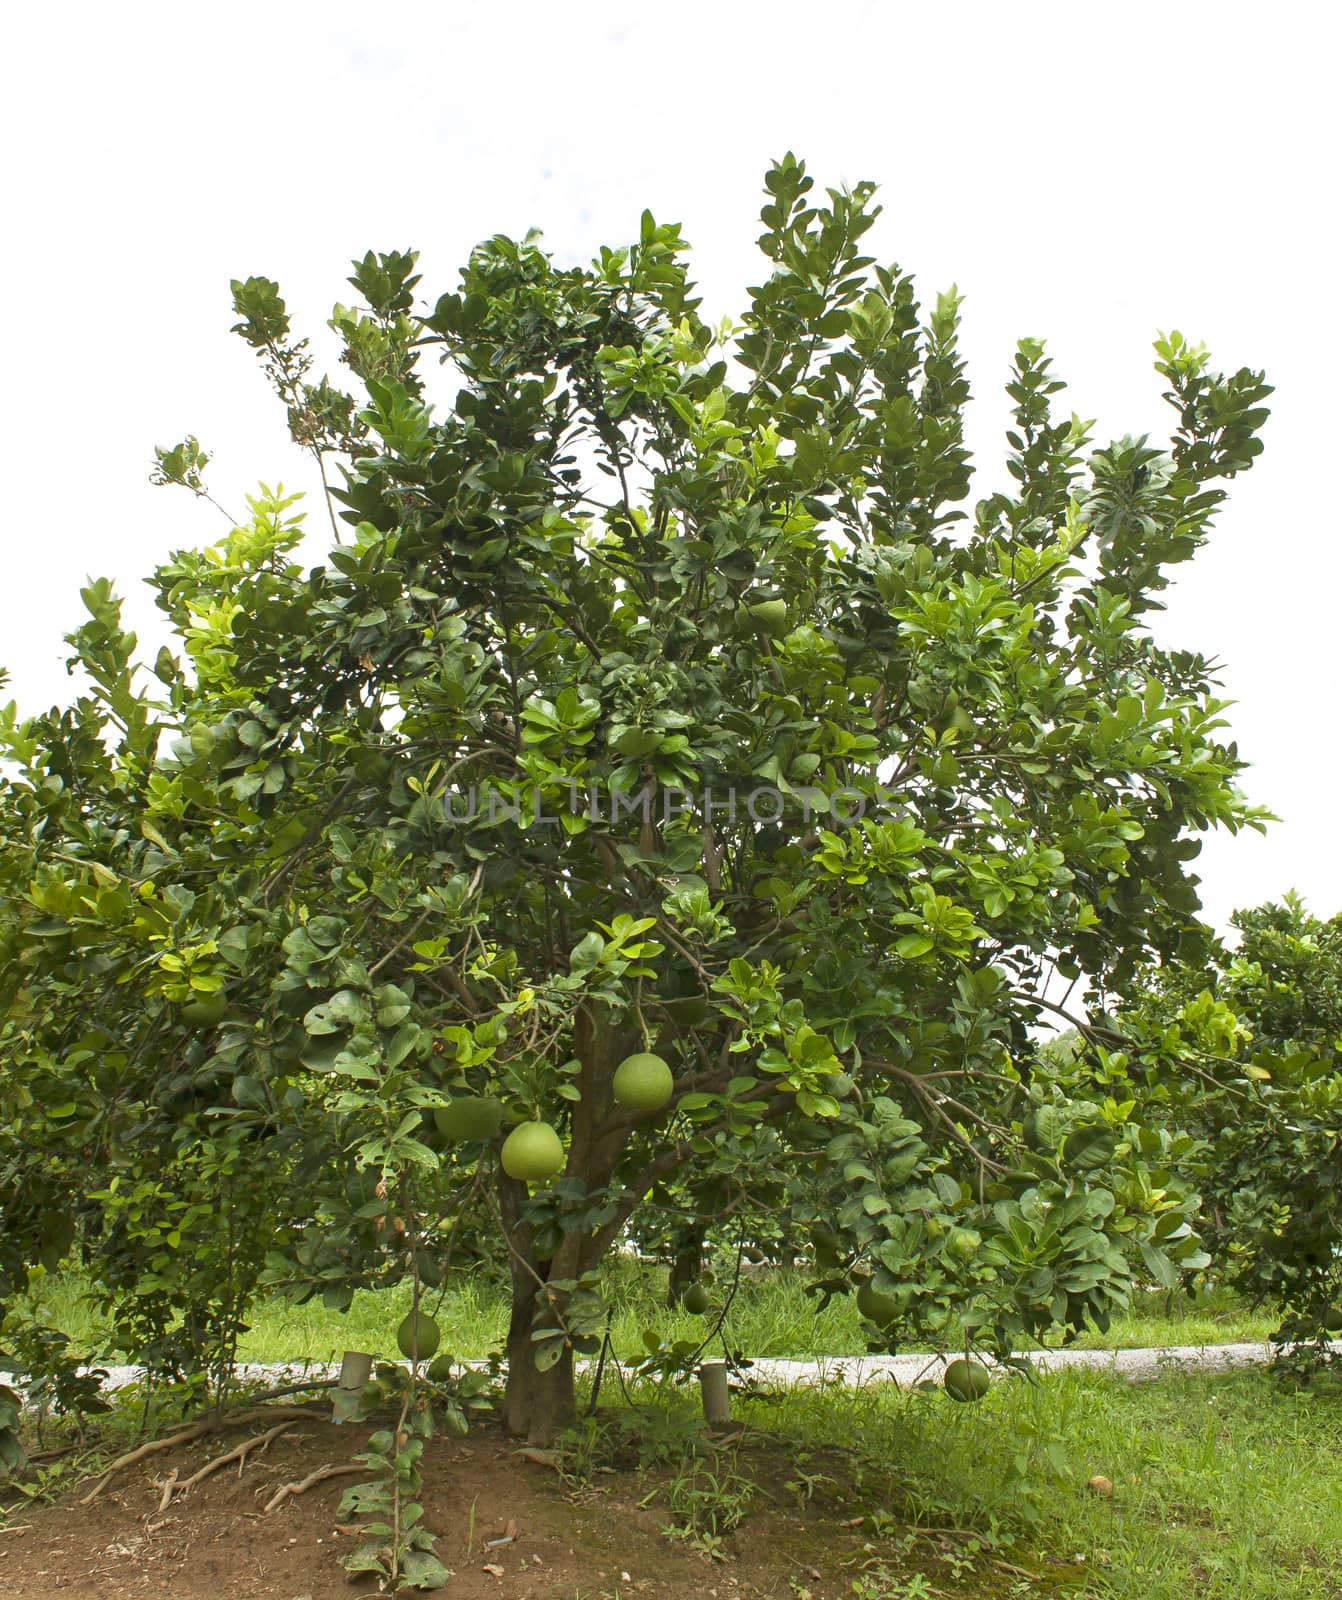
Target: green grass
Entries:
(772, 1315)
(1225, 1488)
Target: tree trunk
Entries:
(687, 1265)
(538, 1405)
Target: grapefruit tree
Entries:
(663, 696)
(1242, 1049)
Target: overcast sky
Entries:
(1091, 174)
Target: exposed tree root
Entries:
(169, 1485)
(196, 1430)
(182, 1436)
(238, 1453)
(302, 1485)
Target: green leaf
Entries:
(1089, 1147)
(1159, 1265)
(421, 1569)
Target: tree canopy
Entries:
(662, 691)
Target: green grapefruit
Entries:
(770, 616)
(532, 1152)
(828, 1247)
(966, 1380)
(207, 1012)
(417, 1337)
(875, 1306)
(469, 1116)
(643, 1082)
(695, 1299)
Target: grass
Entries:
(772, 1315)
(1225, 1488)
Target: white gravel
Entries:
(1133, 1366)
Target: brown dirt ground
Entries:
(598, 1541)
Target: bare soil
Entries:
(599, 1540)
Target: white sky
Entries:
(1092, 174)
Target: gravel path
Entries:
(1134, 1366)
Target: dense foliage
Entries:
(1244, 1050)
(663, 692)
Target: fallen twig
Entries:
(1006, 1566)
(302, 1485)
(22, 1527)
(37, 1456)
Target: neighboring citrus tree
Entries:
(1245, 1050)
(662, 700)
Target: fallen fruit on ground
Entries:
(643, 1082)
(417, 1337)
(469, 1116)
(966, 1380)
(695, 1299)
(532, 1152)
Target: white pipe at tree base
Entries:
(713, 1386)
(356, 1367)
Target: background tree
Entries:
(1244, 1050)
(607, 565)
